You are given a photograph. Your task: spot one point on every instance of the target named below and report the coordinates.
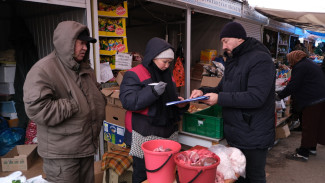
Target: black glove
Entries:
(277, 98)
(160, 87)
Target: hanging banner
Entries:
(225, 6)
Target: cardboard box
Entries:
(210, 81)
(113, 133)
(282, 131)
(119, 77)
(7, 74)
(99, 174)
(194, 107)
(20, 157)
(112, 96)
(112, 147)
(115, 115)
(13, 122)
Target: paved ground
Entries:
(279, 169)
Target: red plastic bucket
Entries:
(160, 166)
(196, 174)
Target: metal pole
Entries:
(188, 54)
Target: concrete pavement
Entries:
(282, 170)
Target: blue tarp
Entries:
(316, 33)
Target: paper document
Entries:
(188, 100)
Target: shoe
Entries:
(311, 152)
(297, 157)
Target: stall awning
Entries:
(307, 20)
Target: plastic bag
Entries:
(3, 124)
(31, 133)
(9, 138)
(232, 161)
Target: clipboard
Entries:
(187, 100)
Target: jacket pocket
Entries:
(247, 118)
(67, 128)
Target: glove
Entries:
(160, 87)
(277, 98)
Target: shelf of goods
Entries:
(283, 46)
(112, 30)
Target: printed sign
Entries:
(123, 61)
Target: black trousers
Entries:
(139, 170)
(255, 166)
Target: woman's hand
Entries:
(181, 105)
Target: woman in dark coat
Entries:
(307, 86)
(147, 116)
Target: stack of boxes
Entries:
(7, 77)
(7, 108)
(115, 115)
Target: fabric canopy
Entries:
(307, 20)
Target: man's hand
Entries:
(196, 93)
(181, 105)
(213, 99)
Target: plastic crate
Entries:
(207, 122)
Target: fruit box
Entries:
(113, 133)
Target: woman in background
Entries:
(307, 86)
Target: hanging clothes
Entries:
(178, 71)
(26, 56)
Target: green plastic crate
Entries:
(207, 122)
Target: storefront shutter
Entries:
(252, 29)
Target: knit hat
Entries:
(169, 53)
(295, 56)
(233, 30)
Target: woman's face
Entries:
(162, 63)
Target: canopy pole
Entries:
(188, 54)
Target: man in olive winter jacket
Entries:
(63, 98)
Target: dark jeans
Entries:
(255, 166)
(139, 172)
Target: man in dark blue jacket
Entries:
(246, 94)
